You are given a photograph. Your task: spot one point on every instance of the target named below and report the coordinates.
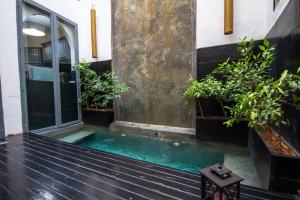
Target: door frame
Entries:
(2, 128)
(55, 67)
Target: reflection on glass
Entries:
(276, 2)
(67, 60)
(38, 68)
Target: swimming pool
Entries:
(185, 156)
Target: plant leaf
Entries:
(261, 47)
(266, 43)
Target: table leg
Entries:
(203, 187)
(220, 194)
(238, 191)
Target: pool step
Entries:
(76, 137)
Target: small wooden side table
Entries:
(211, 183)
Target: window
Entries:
(275, 3)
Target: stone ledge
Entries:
(150, 128)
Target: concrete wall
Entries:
(154, 53)
(78, 12)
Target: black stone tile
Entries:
(285, 34)
(101, 66)
(98, 118)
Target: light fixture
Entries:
(94, 32)
(228, 17)
(33, 32)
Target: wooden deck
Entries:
(37, 167)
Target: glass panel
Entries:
(38, 67)
(276, 2)
(67, 73)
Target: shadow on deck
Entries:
(37, 167)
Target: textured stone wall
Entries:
(154, 53)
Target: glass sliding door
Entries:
(48, 53)
(38, 67)
(67, 74)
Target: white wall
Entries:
(251, 19)
(9, 68)
(78, 12)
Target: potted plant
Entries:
(276, 161)
(97, 94)
(225, 84)
(210, 126)
(263, 108)
(258, 98)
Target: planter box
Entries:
(276, 172)
(103, 117)
(212, 128)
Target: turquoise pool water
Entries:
(190, 157)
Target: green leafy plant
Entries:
(234, 78)
(263, 106)
(205, 88)
(98, 91)
(248, 71)
(256, 96)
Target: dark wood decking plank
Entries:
(157, 187)
(5, 194)
(28, 182)
(10, 184)
(81, 173)
(66, 186)
(96, 176)
(13, 140)
(124, 169)
(90, 177)
(152, 168)
(80, 186)
(248, 191)
(133, 168)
